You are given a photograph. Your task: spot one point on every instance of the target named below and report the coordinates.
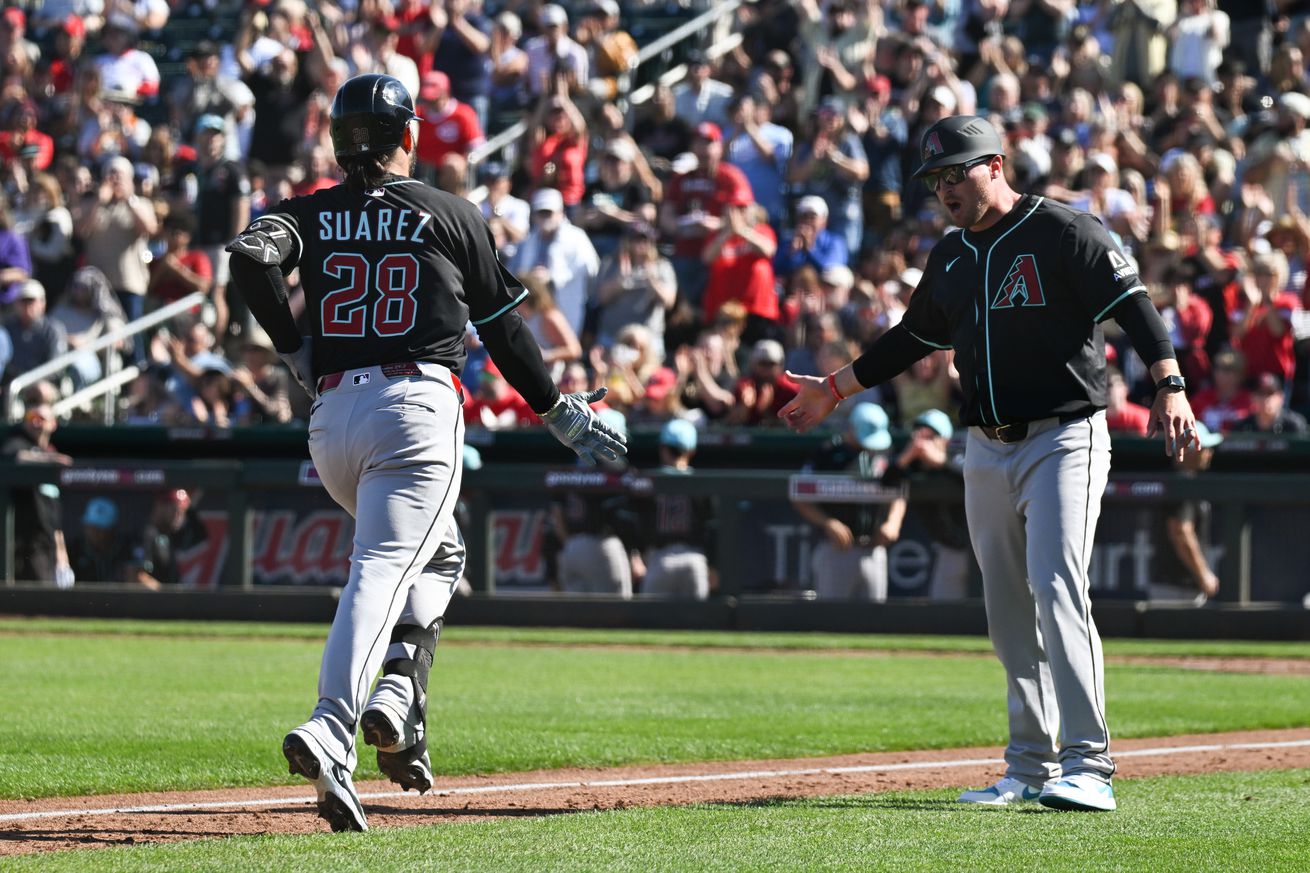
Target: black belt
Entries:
(1018, 432)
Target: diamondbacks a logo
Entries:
(932, 145)
(1022, 285)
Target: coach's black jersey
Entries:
(1021, 303)
(393, 273)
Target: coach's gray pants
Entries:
(592, 564)
(855, 573)
(677, 570)
(1032, 509)
(390, 452)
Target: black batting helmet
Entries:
(369, 115)
(958, 140)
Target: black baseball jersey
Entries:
(1021, 303)
(392, 273)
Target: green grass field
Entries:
(1225, 821)
(112, 707)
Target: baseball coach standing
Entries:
(1020, 293)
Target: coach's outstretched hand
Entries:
(576, 425)
(301, 364)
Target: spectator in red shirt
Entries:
(558, 138)
(494, 404)
(448, 126)
(739, 261)
(182, 270)
(1264, 331)
(1188, 318)
(694, 206)
(1121, 414)
(764, 389)
(1226, 401)
(18, 123)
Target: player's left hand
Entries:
(301, 364)
(1171, 415)
(811, 405)
(573, 422)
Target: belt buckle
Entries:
(1002, 436)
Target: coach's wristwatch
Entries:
(1171, 383)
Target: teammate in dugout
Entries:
(1020, 293)
(392, 271)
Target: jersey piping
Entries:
(1133, 290)
(506, 308)
(926, 342)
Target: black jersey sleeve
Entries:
(491, 290)
(1095, 267)
(924, 319)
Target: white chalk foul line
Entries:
(649, 780)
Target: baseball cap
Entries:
(547, 200)
(768, 350)
(939, 421)
(73, 25)
(813, 204)
(489, 170)
(31, 290)
(209, 121)
(679, 434)
(697, 58)
(15, 17)
(1295, 103)
(100, 512)
(660, 383)
(176, 496)
(710, 131)
(869, 422)
(832, 105)
(621, 149)
(552, 14)
(1268, 383)
(686, 162)
(435, 84)
(1102, 161)
(839, 275)
(957, 140)
(880, 85)
(944, 97)
(1207, 438)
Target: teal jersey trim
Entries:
(506, 308)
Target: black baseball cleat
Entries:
(338, 804)
(410, 767)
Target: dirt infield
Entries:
(57, 824)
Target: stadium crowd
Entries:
(688, 243)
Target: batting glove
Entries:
(574, 423)
(301, 364)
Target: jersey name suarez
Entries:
(1021, 303)
(393, 273)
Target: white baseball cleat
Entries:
(338, 804)
(1081, 792)
(1005, 792)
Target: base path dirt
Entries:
(56, 824)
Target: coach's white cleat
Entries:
(1005, 792)
(1080, 792)
(338, 804)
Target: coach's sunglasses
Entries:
(952, 175)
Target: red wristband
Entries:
(832, 386)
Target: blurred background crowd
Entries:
(739, 206)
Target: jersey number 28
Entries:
(347, 311)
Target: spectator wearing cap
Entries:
(1103, 198)
(557, 139)
(661, 400)
(18, 131)
(884, 137)
(222, 210)
(1269, 412)
(662, 132)
(610, 50)
(509, 67)
(679, 528)
(739, 261)
(927, 457)
(1227, 400)
(191, 356)
(459, 43)
(39, 552)
(1263, 329)
(555, 62)
(701, 97)
(123, 66)
(68, 44)
(564, 250)
(763, 389)
(14, 44)
(446, 126)
(100, 552)
(508, 216)
(174, 530)
(695, 204)
(616, 200)
(636, 285)
(207, 90)
(36, 339)
(87, 311)
(181, 270)
(832, 165)
(761, 150)
(263, 389)
(850, 560)
(811, 243)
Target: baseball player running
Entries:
(392, 271)
(1019, 294)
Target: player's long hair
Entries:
(365, 171)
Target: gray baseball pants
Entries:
(1032, 508)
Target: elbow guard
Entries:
(265, 242)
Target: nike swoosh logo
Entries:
(951, 264)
